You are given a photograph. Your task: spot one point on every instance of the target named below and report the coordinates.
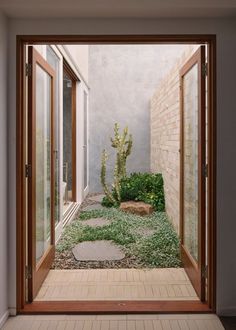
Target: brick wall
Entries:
(165, 135)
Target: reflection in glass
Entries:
(190, 139)
(43, 161)
(54, 62)
(67, 138)
(85, 140)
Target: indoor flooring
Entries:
(117, 284)
(115, 322)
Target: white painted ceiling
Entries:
(118, 8)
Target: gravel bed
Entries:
(66, 260)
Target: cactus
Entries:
(123, 145)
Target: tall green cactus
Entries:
(123, 145)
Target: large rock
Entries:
(139, 208)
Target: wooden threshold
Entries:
(114, 307)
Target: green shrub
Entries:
(146, 187)
(107, 202)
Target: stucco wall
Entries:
(165, 135)
(122, 79)
(226, 126)
(3, 171)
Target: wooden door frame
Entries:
(67, 68)
(113, 306)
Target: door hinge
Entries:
(204, 271)
(28, 272)
(27, 170)
(28, 69)
(205, 170)
(205, 69)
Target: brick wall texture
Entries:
(165, 135)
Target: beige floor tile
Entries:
(116, 322)
(148, 324)
(157, 325)
(139, 325)
(117, 284)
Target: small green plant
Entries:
(123, 145)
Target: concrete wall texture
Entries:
(165, 135)
(122, 79)
(224, 29)
(3, 172)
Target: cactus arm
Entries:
(123, 146)
(103, 177)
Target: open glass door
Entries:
(192, 201)
(85, 145)
(41, 226)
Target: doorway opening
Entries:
(180, 118)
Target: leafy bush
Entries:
(146, 187)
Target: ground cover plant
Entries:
(148, 241)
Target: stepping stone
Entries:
(97, 198)
(97, 251)
(91, 207)
(95, 222)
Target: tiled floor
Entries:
(117, 284)
(115, 322)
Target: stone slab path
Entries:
(97, 251)
(95, 222)
(92, 207)
(97, 198)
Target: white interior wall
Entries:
(79, 53)
(226, 126)
(3, 171)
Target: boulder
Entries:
(139, 208)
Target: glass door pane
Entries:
(85, 140)
(192, 189)
(43, 161)
(190, 162)
(67, 138)
(54, 62)
(41, 227)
